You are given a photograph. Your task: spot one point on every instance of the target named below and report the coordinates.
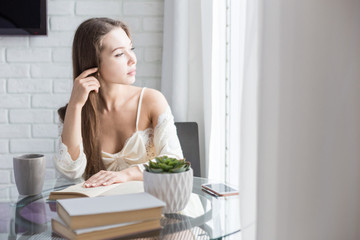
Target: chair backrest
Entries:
(188, 134)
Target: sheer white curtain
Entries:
(190, 80)
(203, 77)
(206, 45)
(245, 34)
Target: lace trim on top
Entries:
(63, 161)
(150, 148)
(118, 161)
(164, 134)
(64, 155)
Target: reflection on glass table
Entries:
(205, 216)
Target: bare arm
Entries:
(71, 135)
(156, 104)
(166, 141)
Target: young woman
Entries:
(110, 128)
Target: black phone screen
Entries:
(220, 187)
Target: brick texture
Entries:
(31, 116)
(98, 8)
(2, 55)
(28, 55)
(31, 145)
(3, 116)
(2, 85)
(14, 101)
(29, 86)
(4, 146)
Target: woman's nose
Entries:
(132, 59)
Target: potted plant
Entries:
(170, 180)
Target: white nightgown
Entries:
(141, 147)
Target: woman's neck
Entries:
(115, 96)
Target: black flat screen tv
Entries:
(23, 17)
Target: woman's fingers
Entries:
(81, 89)
(105, 178)
(89, 80)
(93, 180)
(92, 86)
(100, 178)
(107, 181)
(92, 83)
(87, 72)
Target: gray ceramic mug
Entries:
(29, 171)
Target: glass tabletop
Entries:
(205, 216)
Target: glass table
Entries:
(205, 216)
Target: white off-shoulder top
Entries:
(141, 147)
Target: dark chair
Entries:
(189, 140)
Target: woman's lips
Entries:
(132, 73)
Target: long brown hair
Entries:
(86, 49)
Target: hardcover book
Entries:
(104, 232)
(80, 213)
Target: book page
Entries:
(125, 188)
(90, 192)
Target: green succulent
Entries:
(165, 164)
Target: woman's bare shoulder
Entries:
(154, 98)
(155, 103)
(134, 89)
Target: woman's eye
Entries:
(119, 54)
(132, 49)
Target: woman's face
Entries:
(117, 58)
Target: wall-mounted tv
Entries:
(23, 17)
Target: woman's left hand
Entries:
(106, 178)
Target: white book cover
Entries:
(110, 204)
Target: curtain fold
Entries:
(246, 31)
(186, 66)
(175, 67)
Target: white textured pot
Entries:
(172, 188)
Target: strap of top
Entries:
(139, 108)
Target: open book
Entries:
(78, 190)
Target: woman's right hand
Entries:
(82, 86)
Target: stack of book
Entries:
(108, 216)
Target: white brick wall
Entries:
(29, 85)
(2, 85)
(4, 146)
(31, 116)
(36, 73)
(98, 8)
(2, 55)
(3, 116)
(28, 55)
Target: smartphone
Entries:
(220, 189)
